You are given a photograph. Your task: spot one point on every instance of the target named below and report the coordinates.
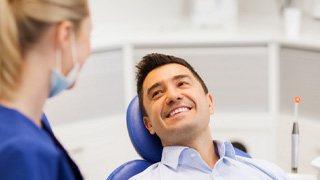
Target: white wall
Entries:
(119, 15)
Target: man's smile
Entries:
(178, 110)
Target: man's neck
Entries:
(204, 145)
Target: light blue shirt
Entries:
(185, 163)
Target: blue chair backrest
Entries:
(147, 146)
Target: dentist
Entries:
(43, 44)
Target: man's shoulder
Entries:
(265, 166)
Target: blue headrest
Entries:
(147, 146)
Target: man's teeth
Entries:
(178, 111)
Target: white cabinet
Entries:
(98, 146)
(300, 76)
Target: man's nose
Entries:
(173, 96)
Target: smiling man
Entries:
(176, 106)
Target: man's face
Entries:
(176, 105)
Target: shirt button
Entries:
(193, 155)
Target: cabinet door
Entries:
(99, 91)
(300, 76)
(98, 146)
(237, 76)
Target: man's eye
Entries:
(156, 93)
(182, 83)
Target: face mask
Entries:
(58, 81)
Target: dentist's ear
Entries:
(148, 125)
(211, 104)
(64, 31)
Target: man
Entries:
(176, 106)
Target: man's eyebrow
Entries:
(181, 76)
(152, 87)
(177, 77)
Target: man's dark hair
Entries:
(153, 61)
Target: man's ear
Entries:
(148, 125)
(210, 101)
(64, 31)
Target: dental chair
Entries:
(146, 145)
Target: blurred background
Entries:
(254, 55)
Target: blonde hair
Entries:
(22, 22)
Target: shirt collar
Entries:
(171, 154)
(225, 149)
